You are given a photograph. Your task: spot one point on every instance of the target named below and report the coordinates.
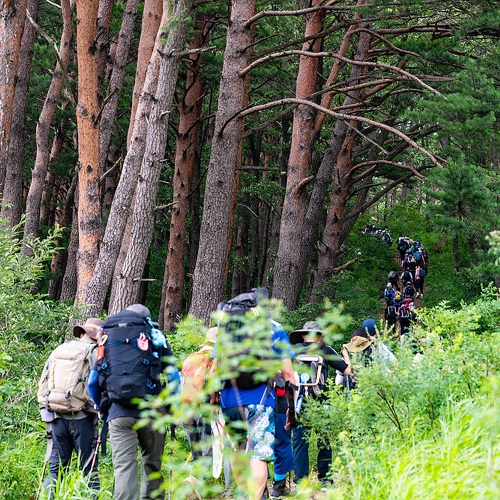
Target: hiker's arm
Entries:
(94, 390)
(287, 370)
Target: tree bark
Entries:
(12, 20)
(151, 22)
(70, 279)
(145, 196)
(87, 112)
(119, 64)
(12, 200)
(322, 182)
(210, 274)
(286, 272)
(190, 109)
(104, 17)
(120, 209)
(43, 128)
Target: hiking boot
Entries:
(326, 484)
(280, 489)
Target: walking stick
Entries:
(48, 436)
(170, 471)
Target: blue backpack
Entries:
(389, 294)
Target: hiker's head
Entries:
(210, 339)
(89, 328)
(370, 325)
(310, 332)
(139, 309)
(359, 341)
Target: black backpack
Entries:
(404, 312)
(407, 276)
(130, 366)
(391, 313)
(238, 368)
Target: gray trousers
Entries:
(124, 438)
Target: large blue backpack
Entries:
(389, 294)
(130, 366)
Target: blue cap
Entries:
(371, 325)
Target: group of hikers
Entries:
(405, 286)
(113, 363)
(382, 233)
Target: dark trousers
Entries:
(199, 437)
(283, 461)
(80, 436)
(301, 454)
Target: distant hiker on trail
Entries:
(132, 356)
(402, 247)
(71, 420)
(409, 291)
(405, 315)
(309, 341)
(391, 316)
(407, 276)
(419, 281)
(392, 277)
(389, 294)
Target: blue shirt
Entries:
(261, 394)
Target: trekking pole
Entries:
(48, 436)
(170, 469)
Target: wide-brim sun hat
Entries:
(90, 327)
(297, 336)
(358, 344)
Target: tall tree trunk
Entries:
(12, 19)
(145, 196)
(87, 113)
(341, 192)
(323, 180)
(12, 200)
(151, 22)
(286, 272)
(119, 64)
(104, 16)
(43, 127)
(185, 159)
(70, 279)
(210, 274)
(60, 257)
(120, 209)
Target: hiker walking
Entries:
(196, 368)
(405, 315)
(246, 346)
(389, 294)
(67, 406)
(133, 356)
(309, 341)
(391, 316)
(419, 281)
(392, 277)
